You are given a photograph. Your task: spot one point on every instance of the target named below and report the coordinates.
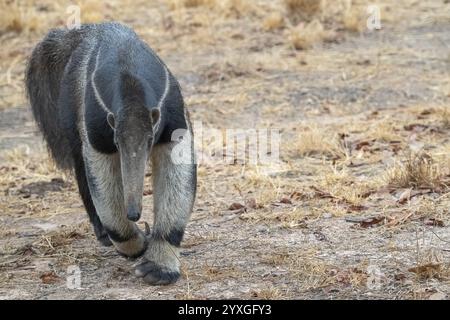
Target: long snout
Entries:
(133, 167)
(134, 211)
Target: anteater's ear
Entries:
(111, 121)
(156, 114)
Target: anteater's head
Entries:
(133, 125)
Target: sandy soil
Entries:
(357, 208)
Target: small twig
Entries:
(446, 241)
(49, 242)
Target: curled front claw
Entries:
(155, 274)
(160, 264)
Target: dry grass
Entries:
(305, 36)
(30, 16)
(353, 20)
(31, 185)
(315, 21)
(314, 273)
(308, 269)
(430, 264)
(419, 170)
(220, 9)
(179, 4)
(260, 185)
(444, 116)
(91, 11)
(274, 21)
(22, 162)
(384, 131)
(19, 16)
(344, 187)
(55, 241)
(304, 10)
(315, 141)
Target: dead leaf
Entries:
(427, 112)
(322, 194)
(296, 195)
(236, 206)
(434, 222)
(361, 144)
(356, 207)
(285, 201)
(399, 219)
(427, 271)
(252, 204)
(405, 196)
(49, 278)
(416, 127)
(75, 235)
(371, 222)
(238, 36)
(365, 62)
(400, 277)
(369, 193)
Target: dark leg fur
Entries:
(43, 78)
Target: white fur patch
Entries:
(173, 190)
(82, 81)
(96, 92)
(163, 97)
(166, 88)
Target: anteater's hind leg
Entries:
(174, 187)
(105, 185)
(83, 188)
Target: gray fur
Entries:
(66, 79)
(105, 182)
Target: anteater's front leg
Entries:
(105, 184)
(174, 187)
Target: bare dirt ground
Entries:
(357, 207)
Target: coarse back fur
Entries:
(43, 78)
(54, 79)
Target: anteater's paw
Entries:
(105, 240)
(155, 274)
(131, 246)
(101, 235)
